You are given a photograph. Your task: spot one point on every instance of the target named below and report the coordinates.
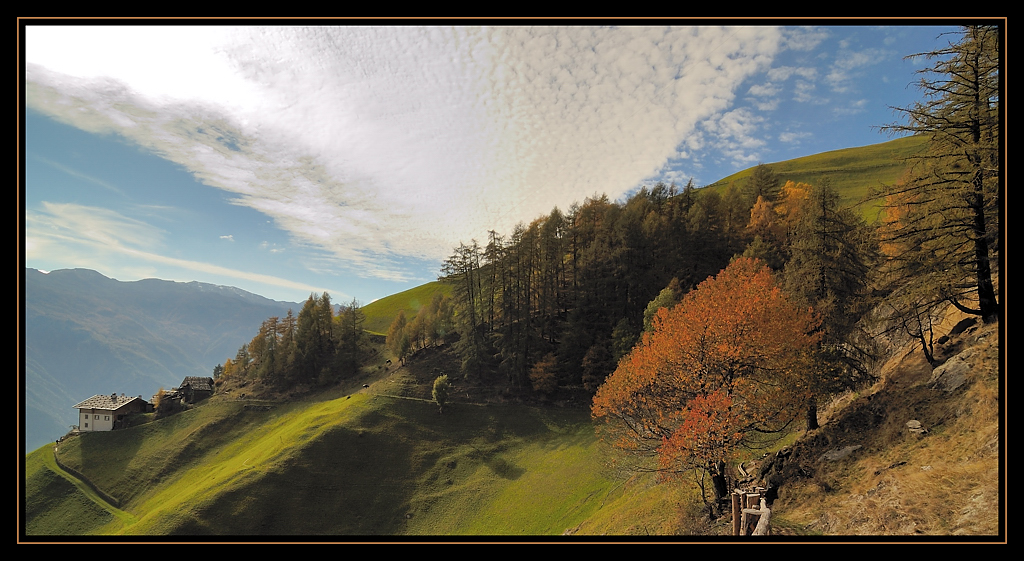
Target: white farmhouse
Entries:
(103, 412)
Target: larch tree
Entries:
(307, 345)
(229, 369)
(728, 361)
(160, 402)
(597, 364)
(285, 354)
(395, 333)
(349, 334)
(763, 183)
(463, 270)
(243, 360)
(543, 376)
(831, 253)
(949, 228)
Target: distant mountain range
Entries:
(86, 334)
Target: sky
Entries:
(288, 160)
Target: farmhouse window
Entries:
(87, 425)
(96, 417)
(106, 417)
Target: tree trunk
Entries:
(986, 292)
(718, 482)
(812, 414)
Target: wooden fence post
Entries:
(764, 522)
(753, 518)
(736, 512)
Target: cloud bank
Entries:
(374, 144)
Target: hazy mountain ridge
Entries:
(87, 334)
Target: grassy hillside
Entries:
(853, 171)
(374, 462)
(380, 313)
(58, 504)
(381, 461)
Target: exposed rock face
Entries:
(951, 374)
(839, 453)
(915, 427)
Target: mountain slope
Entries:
(381, 312)
(852, 171)
(919, 453)
(86, 334)
(373, 464)
(380, 461)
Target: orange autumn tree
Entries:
(730, 360)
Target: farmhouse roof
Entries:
(110, 402)
(201, 383)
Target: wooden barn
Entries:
(195, 388)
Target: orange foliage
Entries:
(791, 198)
(229, 369)
(543, 375)
(710, 430)
(732, 354)
(897, 213)
(762, 218)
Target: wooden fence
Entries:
(750, 513)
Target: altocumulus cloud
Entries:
(373, 144)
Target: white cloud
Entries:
(77, 235)
(851, 108)
(804, 92)
(766, 94)
(793, 137)
(80, 175)
(805, 38)
(376, 143)
(845, 72)
(764, 90)
(272, 248)
(783, 73)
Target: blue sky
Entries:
(286, 160)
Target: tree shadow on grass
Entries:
(500, 466)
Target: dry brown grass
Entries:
(945, 482)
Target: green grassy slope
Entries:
(368, 464)
(378, 461)
(382, 462)
(853, 171)
(380, 313)
(57, 504)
